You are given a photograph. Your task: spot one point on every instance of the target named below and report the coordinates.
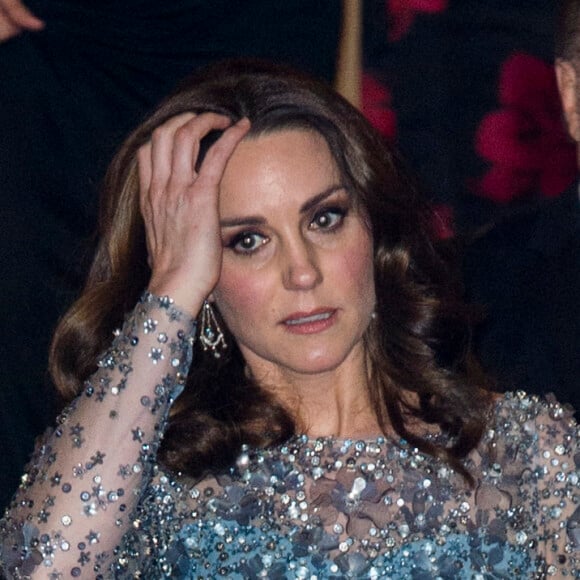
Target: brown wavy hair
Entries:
(418, 343)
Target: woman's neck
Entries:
(334, 403)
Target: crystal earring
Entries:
(210, 334)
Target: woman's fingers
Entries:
(144, 169)
(179, 203)
(162, 151)
(188, 138)
(154, 166)
(214, 164)
(167, 162)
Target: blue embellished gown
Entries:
(95, 503)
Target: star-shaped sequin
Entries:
(93, 537)
(124, 471)
(55, 479)
(97, 458)
(156, 355)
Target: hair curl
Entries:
(418, 343)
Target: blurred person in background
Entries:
(525, 271)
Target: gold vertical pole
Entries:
(349, 66)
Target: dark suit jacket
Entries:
(526, 271)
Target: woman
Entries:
(332, 423)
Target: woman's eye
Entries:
(247, 242)
(328, 219)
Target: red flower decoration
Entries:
(525, 141)
(401, 14)
(376, 106)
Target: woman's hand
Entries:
(14, 18)
(180, 205)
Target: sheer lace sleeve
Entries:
(87, 475)
(557, 471)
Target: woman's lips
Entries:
(310, 322)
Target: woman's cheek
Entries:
(239, 299)
(357, 269)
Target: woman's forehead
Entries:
(285, 167)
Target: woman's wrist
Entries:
(188, 302)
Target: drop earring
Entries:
(211, 336)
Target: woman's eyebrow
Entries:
(314, 201)
(254, 220)
(250, 220)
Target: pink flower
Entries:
(525, 141)
(376, 106)
(401, 14)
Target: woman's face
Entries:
(296, 286)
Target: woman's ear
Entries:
(567, 79)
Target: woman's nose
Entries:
(301, 269)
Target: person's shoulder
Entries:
(519, 230)
(540, 423)
(521, 406)
(497, 256)
(509, 234)
(499, 259)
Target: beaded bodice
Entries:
(95, 502)
(329, 508)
